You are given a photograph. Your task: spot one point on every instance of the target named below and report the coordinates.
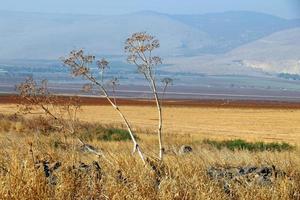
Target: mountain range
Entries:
(237, 42)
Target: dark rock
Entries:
(228, 175)
(247, 170)
(96, 166)
(49, 171)
(84, 167)
(120, 177)
(93, 169)
(56, 166)
(265, 171)
(184, 149)
(244, 176)
(214, 173)
(46, 169)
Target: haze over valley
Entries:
(230, 50)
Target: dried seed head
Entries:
(78, 62)
(87, 87)
(167, 81)
(155, 60)
(102, 64)
(114, 82)
(141, 42)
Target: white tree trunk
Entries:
(159, 111)
(136, 146)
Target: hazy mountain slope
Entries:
(276, 53)
(39, 36)
(232, 29)
(279, 52)
(48, 36)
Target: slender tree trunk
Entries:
(136, 146)
(159, 111)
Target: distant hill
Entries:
(34, 35)
(232, 29)
(40, 36)
(277, 53)
(230, 42)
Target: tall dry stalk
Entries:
(35, 98)
(79, 63)
(140, 47)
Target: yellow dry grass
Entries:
(216, 123)
(183, 177)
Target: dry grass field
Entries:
(216, 123)
(26, 154)
(263, 124)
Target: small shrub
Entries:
(89, 132)
(114, 134)
(251, 146)
(41, 124)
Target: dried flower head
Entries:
(156, 60)
(167, 81)
(102, 64)
(35, 98)
(139, 48)
(27, 88)
(78, 62)
(114, 82)
(87, 87)
(34, 95)
(141, 42)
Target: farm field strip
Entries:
(202, 122)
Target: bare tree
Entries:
(140, 47)
(37, 99)
(80, 65)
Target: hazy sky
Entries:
(283, 8)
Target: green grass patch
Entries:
(114, 134)
(251, 146)
(89, 132)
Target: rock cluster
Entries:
(244, 176)
(51, 169)
(184, 149)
